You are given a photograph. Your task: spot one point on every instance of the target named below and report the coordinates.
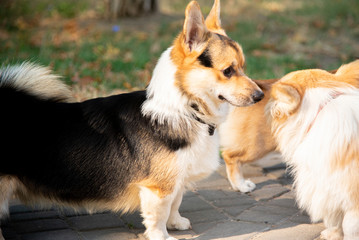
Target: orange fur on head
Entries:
(203, 52)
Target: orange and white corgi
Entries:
(245, 136)
(130, 151)
(314, 116)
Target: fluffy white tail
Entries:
(35, 80)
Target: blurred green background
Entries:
(99, 55)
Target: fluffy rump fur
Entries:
(315, 120)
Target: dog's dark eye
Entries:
(228, 72)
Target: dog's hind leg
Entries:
(333, 224)
(234, 173)
(7, 186)
(175, 220)
(155, 212)
(351, 225)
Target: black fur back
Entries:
(79, 151)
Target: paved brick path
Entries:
(215, 211)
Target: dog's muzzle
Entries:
(257, 96)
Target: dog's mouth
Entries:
(222, 98)
(236, 104)
(230, 102)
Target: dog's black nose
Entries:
(257, 96)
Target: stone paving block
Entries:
(189, 193)
(109, 234)
(22, 216)
(19, 208)
(186, 234)
(132, 220)
(209, 215)
(10, 234)
(283, 202)
(96, 221)
(287, 195)
(212, 194)
(37, 225)
(233, 231)
(141, 237)
(268, 192)
(276, 174)
(215, 181)
(200, 228)
(265, 207)
(271, 159)
(234, 201)
(236, 210)
(259, 217)
(300, 217)
(193, 204)
(274, 167)
(298, 232)
(233, 194)
(65, 234)
(266, 214)
(261, 181)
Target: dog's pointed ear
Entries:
(194, 28)
(213, 21)
(349, 73)
(285, 99)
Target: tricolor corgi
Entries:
(130, 151)
(314, 116)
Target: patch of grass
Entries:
(19, 14)
(333, 13)
(68, 8)
(246, 35)
(275, 66)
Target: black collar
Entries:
(211, 127)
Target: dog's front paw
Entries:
(157, 234)
(171, 238)
(332, 234)
(179, 223)
(246, 186)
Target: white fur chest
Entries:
(201, 158)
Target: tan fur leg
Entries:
(235, 175)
